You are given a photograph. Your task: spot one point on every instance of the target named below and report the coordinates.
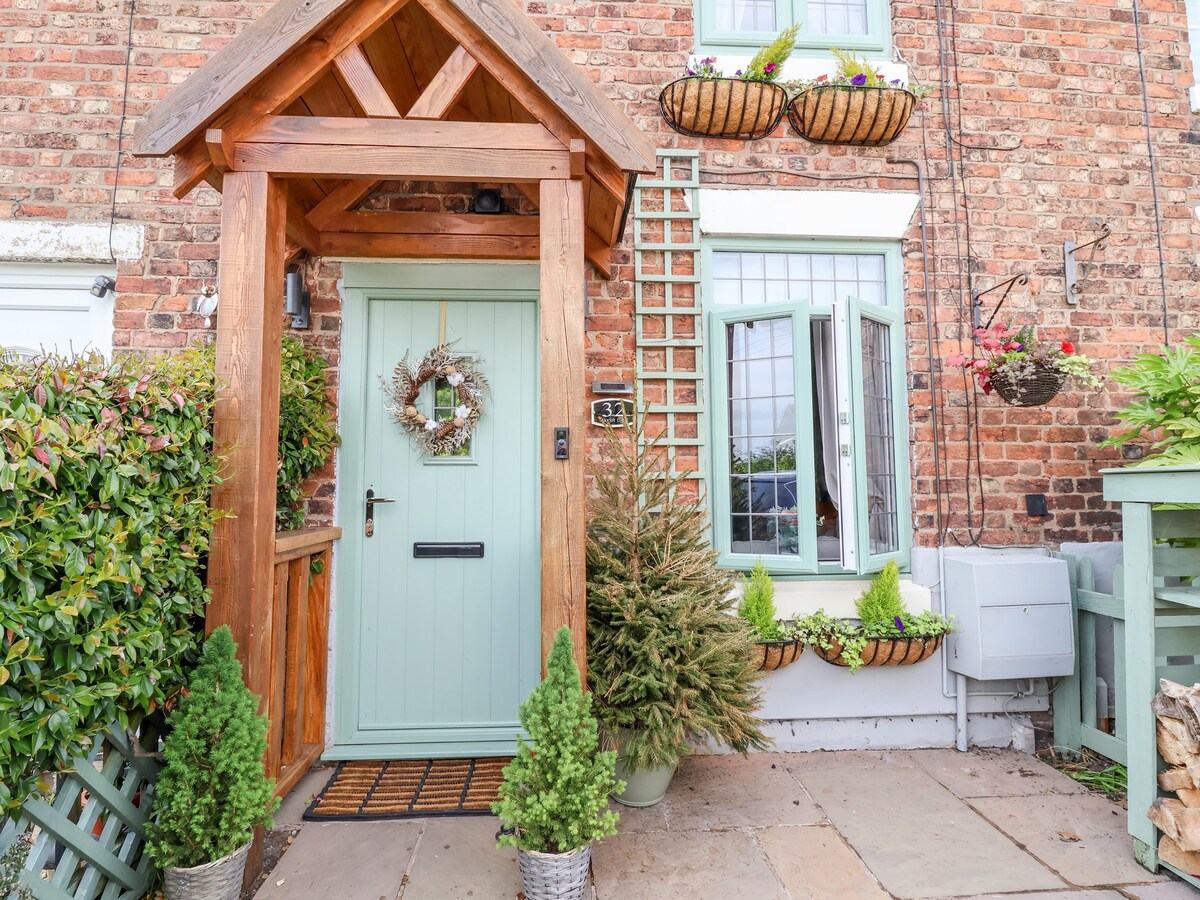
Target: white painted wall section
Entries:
(880, 215)
(28, 240)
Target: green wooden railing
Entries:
(87, 844)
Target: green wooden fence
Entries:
(88, 842)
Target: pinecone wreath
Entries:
(433, 436)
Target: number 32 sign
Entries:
(611, 413)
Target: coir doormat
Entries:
(409, 789)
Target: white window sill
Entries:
(796, 599)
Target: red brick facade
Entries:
(1036, 135)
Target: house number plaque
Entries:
(610, 413)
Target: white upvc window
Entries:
(809, 413)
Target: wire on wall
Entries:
(112, 211)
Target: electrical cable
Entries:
(112, 212)
(1162, 261)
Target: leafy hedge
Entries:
(106, 470)
(105, 476)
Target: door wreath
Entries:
(437, 437)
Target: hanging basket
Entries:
(723, 107)
(773, 655)
(1030, 387)
(555, 876)
(898, 651)
(846, 114)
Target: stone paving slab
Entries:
(1164, 890)
(917, 838)
(715, 792)
(457, 859)
(291, 810)
(1053, 895)
(814, 863)
(698, 865)
(337, 861)
(1102, 856)
(994, 773)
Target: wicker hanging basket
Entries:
(773, 655)
(555, 876)
(723, 107)
(1029, 387)
(898, 651)
(846, 114)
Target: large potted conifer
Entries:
(212, 792)
(667, 658)
(554, 798)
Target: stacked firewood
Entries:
(1177, 714)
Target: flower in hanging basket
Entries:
(746, 106)
(856, 104)
(1020, 370)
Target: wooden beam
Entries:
(433, 223)
(598, 253)
(337, 201)
(220, 149)
(399, 163)
(428, 246)
(338, 130)
(360, 81)
(564, 498)
(300, 230)
(446, 87)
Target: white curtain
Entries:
(825, 375)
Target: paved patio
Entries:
(863, 825)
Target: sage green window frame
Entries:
(718, 316)
(711, 40)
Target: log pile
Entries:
(1177, 721)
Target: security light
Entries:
(487, 201)
(102, 285)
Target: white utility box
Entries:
(1012, 616)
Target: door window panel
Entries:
(883, 528)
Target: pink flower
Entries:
(980, 364)
(822, 78)
(769, 68)
(979, 332)
(989, 343)
(1068, 348)
(1011, 345)
(956, 359)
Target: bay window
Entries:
(808, 406)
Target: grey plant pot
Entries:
(555, 876)
(218, 880)
(645, 787)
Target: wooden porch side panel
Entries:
(246, 418)
(561, 334)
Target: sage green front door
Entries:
(435, 652)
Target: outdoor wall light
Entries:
(206, 304)
(297, 301)
(102, 285)
(487, 201)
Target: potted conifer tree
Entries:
(212, 792)
(667, 660)
(775, 642)
(554, 798)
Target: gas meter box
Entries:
(1012, 616)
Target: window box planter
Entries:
(773, 655)
(865, 116)
(1033, 387)
(899, 651)
(723, 107)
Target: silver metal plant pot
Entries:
(555, 876)
(219, 880)
(645, 787)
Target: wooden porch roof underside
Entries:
(340, 95)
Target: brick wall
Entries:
(1040, 141)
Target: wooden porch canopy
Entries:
(297, 121)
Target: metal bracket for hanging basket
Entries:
(977, 300)
(1071, 266)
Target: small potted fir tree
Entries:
(212, 793)
(554, 798)
(667, 662)
(775, 643)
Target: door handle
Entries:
(369, 520)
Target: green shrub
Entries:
(105, 475)
(880, 605)
(667, 663)
(1166, 404)
(212, 793)
(307, 428)
(758, 604)
(554, 797)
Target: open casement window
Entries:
(809, 413)
(846, 24)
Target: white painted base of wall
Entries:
(899, 733)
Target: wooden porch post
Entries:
(246, 421)
(561, 333)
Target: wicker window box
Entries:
(865, 116)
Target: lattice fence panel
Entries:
(668, 317)
(88, 843)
